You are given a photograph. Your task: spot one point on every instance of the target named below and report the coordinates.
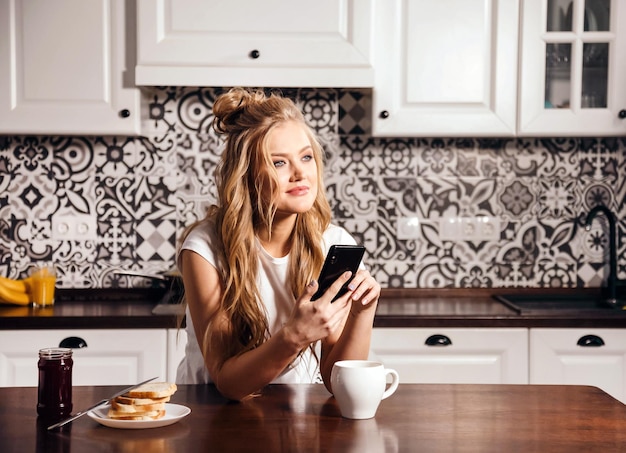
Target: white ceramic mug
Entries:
(360, 385)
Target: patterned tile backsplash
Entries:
(141, 192)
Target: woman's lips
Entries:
(300, 190)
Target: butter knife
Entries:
(98, 404)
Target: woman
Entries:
(249, 267)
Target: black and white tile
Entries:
(143, 192)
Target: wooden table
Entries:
(423, 418)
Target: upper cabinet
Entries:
(62, 68)
(573, 68)
(445, 67)
(273, 43)
(451, 68)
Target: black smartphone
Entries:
(340, 258)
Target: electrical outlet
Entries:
(480, 228)
(408, 228)
(488, 228)
(74, 227)
(469, 228)
(449, 228)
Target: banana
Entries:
(9, 296)
(19, 286)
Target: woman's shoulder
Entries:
(201, 239)
(203, 230)
(336, 234)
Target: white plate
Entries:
(173, 413)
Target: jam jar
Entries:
(55, 383)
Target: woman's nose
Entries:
(297, 172)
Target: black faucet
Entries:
(612, 278)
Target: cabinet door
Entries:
(573, 67)
(62, 68)
(176, 343)
(454, 356)
(580, 357)
(325, 43)
(111, 357)
(446, 67)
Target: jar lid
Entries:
(55, 353)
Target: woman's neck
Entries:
(278, 242)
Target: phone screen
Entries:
(340, 258)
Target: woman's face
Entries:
(294, 162)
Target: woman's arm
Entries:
(241, 376)
(352, 341)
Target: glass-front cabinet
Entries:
(573, 68)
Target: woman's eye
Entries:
(307, 158)
(279, 163)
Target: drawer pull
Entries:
(590, 341)
(73, 343)
(438, 340)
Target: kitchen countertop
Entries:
(141, 308)
(305, 417)
(93, 309)
(476, 307)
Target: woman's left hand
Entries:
(365, 292)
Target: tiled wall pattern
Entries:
(143, 191)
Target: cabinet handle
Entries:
(438, 340)
(254, 54)
(622, 114)
(73, 343)
(124, 113)
(590, 341)
(384, 114)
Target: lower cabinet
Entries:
(454, 355)
(176, 343)
(110, 357)
(594, 357)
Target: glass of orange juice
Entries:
(42, 282)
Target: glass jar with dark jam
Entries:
(55, 383)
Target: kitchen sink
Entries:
(526, 304)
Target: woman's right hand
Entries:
(320, 319)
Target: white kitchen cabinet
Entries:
(273, 43)
(445, 68)
(580, 357)
(111, 357)
(63, 68)
(573, 67)
(176, 342)
(473, 356)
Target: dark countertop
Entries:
(140, 309)
(93, 309)
(459, 307)
(304, 417)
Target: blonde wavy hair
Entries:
(245, 118)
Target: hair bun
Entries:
(229, 106)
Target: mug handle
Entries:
(393, 386)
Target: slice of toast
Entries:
(153, 390)
(152, 415)
(140, 401)
(146, 402)
(136, 409)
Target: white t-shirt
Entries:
(276, 296)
